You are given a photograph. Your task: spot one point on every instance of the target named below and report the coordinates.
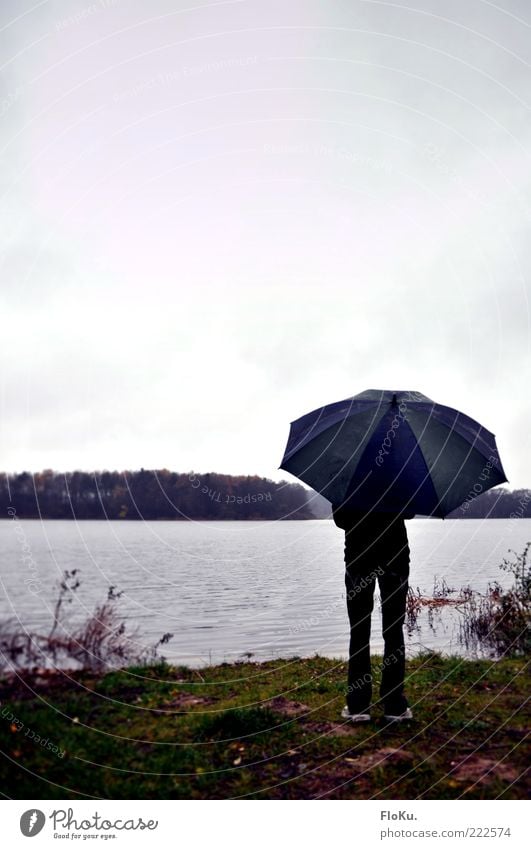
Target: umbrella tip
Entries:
(393, 402)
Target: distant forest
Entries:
(497, 503)
(161, 494)
(155, 494)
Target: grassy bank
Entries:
(269, 730)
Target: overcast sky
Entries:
(217, 217)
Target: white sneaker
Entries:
(401, 717)
(355, 717)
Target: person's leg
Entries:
(359, 582)
(393, 590)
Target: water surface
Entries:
(228, 588)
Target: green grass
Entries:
(269, 730)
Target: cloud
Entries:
(189, 267)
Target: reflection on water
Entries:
(225, 589)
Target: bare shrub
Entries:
(499, 620)
(496, 621)
(439, 599)
(101, 642)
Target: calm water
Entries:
(226, 588)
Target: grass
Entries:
(263, 731)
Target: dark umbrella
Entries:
(392, 451)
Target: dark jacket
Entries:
(372, 533)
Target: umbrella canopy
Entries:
(393, 450)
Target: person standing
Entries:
(376, 548)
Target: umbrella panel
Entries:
(392, 475)
(327, 463)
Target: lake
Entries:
(271, 589)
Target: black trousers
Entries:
(390, 567)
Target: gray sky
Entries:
(216, 217)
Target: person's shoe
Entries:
(355, 717)
(406, 716)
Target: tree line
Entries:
(149, 494)
(161, 494)
(498, 503)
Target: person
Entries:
(376, 548)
